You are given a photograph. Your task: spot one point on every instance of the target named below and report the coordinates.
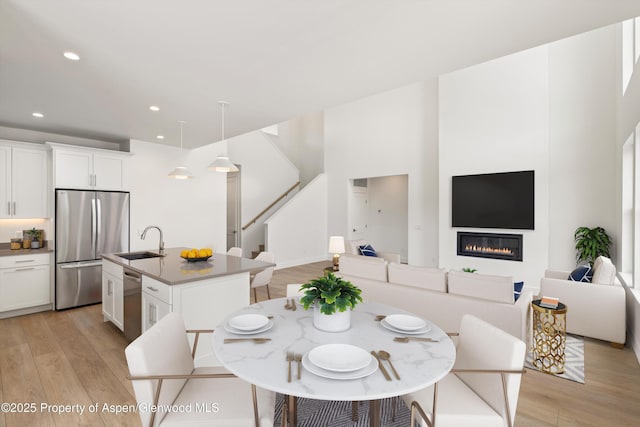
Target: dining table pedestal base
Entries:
(374, 413)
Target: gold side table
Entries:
(549, 337)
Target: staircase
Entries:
(256, 253)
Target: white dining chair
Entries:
(162, 373)
(235, 251)
(293, 290)
(483, 386)
(263, 277)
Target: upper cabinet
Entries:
(23, 180)
(88, 168)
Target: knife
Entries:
(256, 340)
(382, 368)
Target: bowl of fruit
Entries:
(196, 255)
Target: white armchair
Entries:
(596, 309)
(483, 386)
(162, 373)
(354, 249)
(263, 278)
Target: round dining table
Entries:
(419, 364)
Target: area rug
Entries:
(315, 413)
(573, 359)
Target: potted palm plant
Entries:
(333, 299)
(591, 243)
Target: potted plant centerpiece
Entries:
(333, 299)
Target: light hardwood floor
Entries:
(73, 358)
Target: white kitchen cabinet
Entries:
(153, 309)
(203, 305)
(89, 168)
(24, 281)
(23, 181)
(113, 294)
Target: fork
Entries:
(407, 339)
(290, 357)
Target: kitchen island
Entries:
(140, 292)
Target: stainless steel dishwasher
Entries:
(132, 304)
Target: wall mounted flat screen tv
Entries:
(495, 200)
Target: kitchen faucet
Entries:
(161, 246)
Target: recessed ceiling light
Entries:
(72, 56)
(160, 136)
(154, 108)
(38, 115)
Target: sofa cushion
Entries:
(483, 286)
(434, 279)
(604, 272)
(582, 273)
(517, 290)
(360, 266)
(354, 246)
(367, 250)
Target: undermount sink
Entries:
(138, 255)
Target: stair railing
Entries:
(265, 210)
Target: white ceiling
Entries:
(273, 60)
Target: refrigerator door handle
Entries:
(98, 225)
(94, 242)
(80, 264)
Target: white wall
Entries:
(297, 233)
(393, 133)
(494, 118)
(388, 208)
(266, 173)
(582, 129)
(302, 141)
(191, 213)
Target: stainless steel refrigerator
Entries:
(88, 224)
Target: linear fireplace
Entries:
(490, 245)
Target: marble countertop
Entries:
(419, 364)
(173, 270)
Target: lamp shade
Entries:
(222, 164)
(181, 172)
(336, 245)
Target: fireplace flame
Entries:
(488, 250)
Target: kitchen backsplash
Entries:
(10, 228)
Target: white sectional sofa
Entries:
(353, 246)
(438, 296)
(596, 309)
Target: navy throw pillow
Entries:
(367, 250)
(517, 290)
(581, 274)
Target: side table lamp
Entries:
(336, 247)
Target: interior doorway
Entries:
(233, 209)
(379, 213)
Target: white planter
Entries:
(336, 322)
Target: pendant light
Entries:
(222, 163)
(181, 172)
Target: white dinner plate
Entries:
(248, 322)
(386, 325)
(405, 322)
(359, 373)
(339, 357)
(233, 330)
